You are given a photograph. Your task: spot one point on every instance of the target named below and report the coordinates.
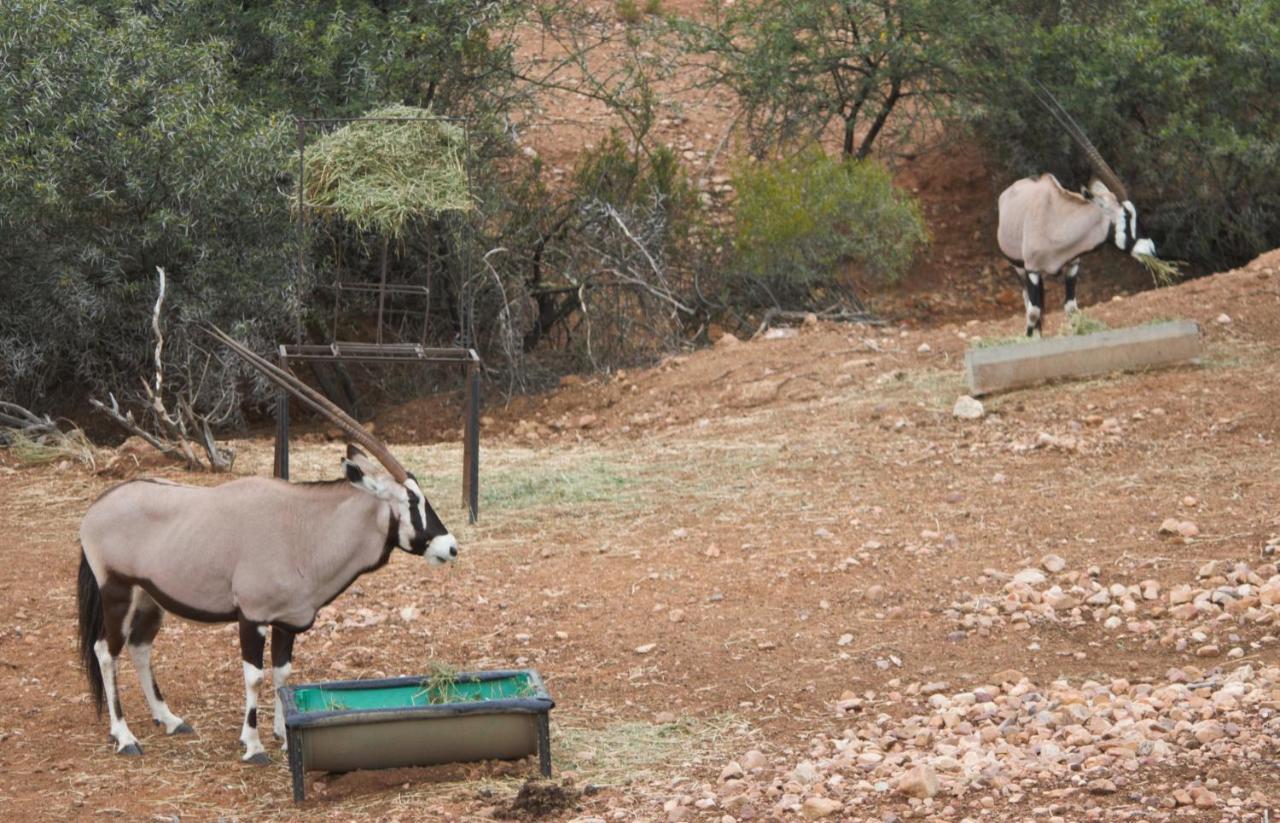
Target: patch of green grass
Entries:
(628, 11)
(1081, 323)
(592, 481)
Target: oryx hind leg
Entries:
(281, 666)
(252, 643)
(117, 604)
(144, 625)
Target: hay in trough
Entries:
(381, 175)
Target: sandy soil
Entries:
(680, 552)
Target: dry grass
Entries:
(633, 752)
(1163, 272)
(48, 448)
(382, 175)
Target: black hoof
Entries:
(132, 750)
(183, 728)
(259, 759)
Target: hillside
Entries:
(774, 576)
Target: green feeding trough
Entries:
(416, 721)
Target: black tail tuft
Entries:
(90, 600)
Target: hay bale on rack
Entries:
(381, 175)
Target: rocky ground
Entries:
(779, 579)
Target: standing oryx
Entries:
(261, 552)
(1044, 228)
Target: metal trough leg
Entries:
(296, 767)
(544, 744)
(471, 444)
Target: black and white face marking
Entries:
(426, 534)
(420, 530)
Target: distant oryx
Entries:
(261, 552)
(1044, 228)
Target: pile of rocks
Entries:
(1225, 599)
(1011, 742)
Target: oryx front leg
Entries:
(281, 665)
(116, 602)
(1033, 296)
(144, 625)
(1070, 306)
(252, 641)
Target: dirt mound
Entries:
(787, 366)
(539, 798)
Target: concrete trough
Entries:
(1024, 364)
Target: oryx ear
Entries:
(353, 472)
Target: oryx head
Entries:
(1107, 190)
(419, 530)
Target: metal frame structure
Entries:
(378, 351)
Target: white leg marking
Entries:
(107, 664)
(159, 709)
(249, 734)
(279, 676)
(1072, 308)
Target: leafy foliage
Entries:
(121, 153)
(1179, 96)
(797, 221)
(801, 67)
(159, 134)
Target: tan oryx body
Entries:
(1045, 229)
(217, 552)
(264, 553)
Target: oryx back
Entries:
(1043, 226)
(220, 552)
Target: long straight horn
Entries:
(290, 383)
(1100, 167)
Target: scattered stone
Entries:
(646, 648)
(1052, 563)
(968, 408)
(727, 341)
(921, 782)
(816, 808)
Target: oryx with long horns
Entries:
(262, 552)
(1044, 228)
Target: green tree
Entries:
(121, 153)
(800, 220)
(1178, 95)
(803, 67)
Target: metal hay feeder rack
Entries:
(380, 351)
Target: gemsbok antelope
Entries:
(257, 551)
(1045, 228)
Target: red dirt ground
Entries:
(734, 508)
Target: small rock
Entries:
(727, 341)
(1052, 563)
(1102, 786)
(921, 782)
(924, 348)
(731, 771)
(753, 760)
(816, 808)
(646, 648)
(1029, 577)
(1224, 319)
(968, 408)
